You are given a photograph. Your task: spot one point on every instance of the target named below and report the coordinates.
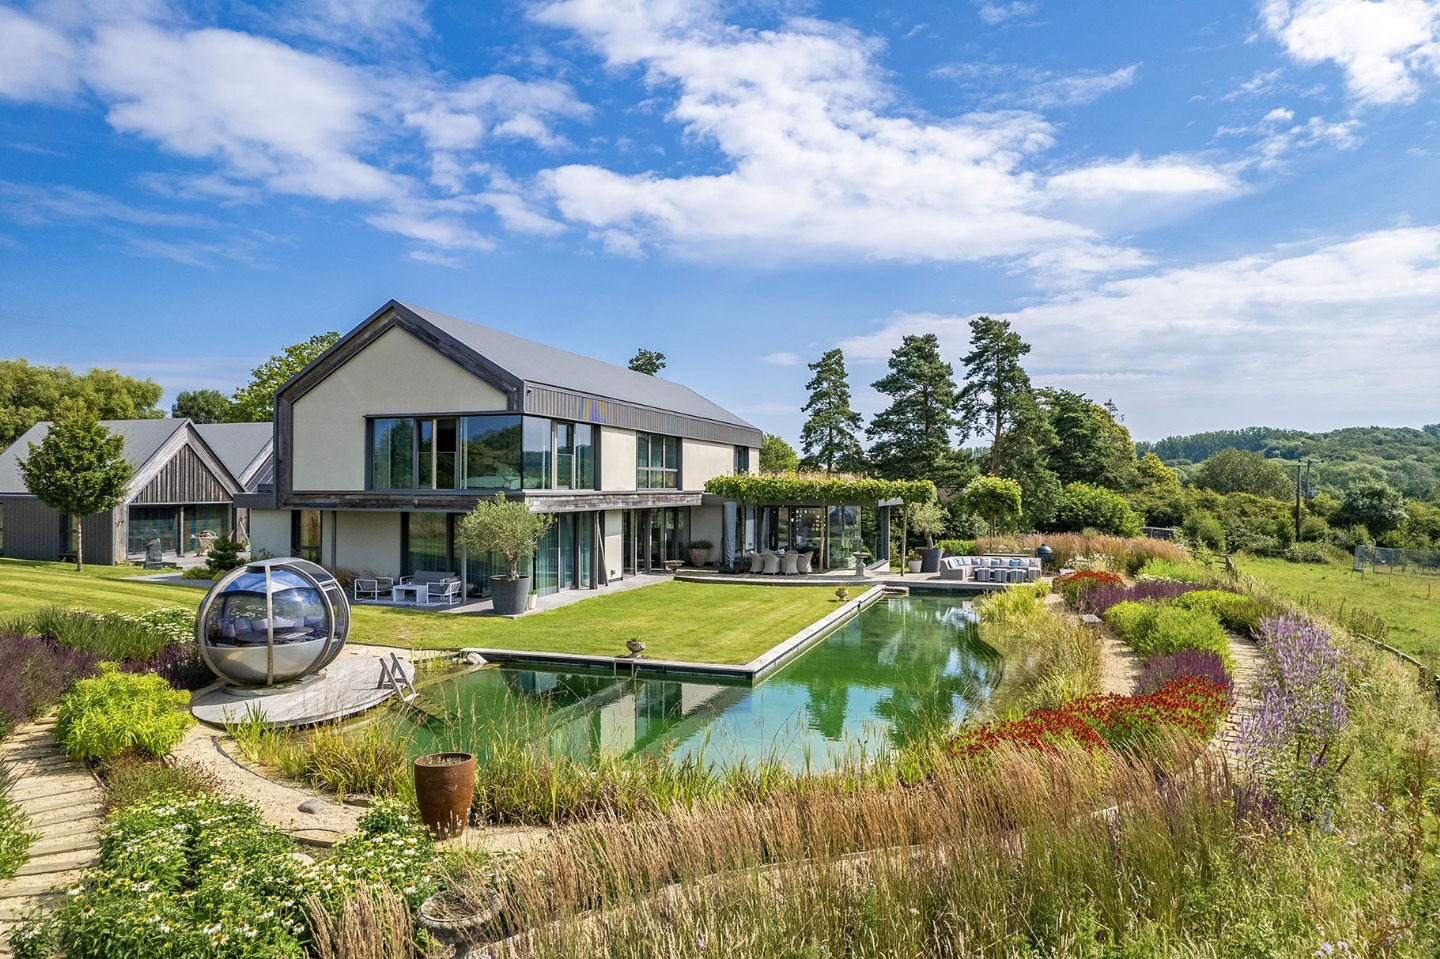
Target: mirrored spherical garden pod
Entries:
(272, 621)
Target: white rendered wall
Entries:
(614, 533)
(707, 522)
(397, 374)
(700, 461)
(365, 542)
(270, 531)
(617, 458)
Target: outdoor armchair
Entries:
(446, 592)
(789, 563)
(771, 562)
(757, 563)
(803, 563)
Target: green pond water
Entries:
(901, 662)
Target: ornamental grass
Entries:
(1122, 552)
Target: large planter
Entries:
(509, 595)
(930, 560)
(468, 934)
(444, 787)
(915, 564)
(699, 557)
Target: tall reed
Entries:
(1050, 658)
(973, 861)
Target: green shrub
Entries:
(15, 838)
(1163, 628)
(118, 712)
(1312, 553)
(1203, 529)
(1237, 613)
(116, 636)
(197, 572)
(131, 779)
(957, 547)
(224, 556)
(202, 877)
(701, 544)
(1094, 509)
(1184, 571)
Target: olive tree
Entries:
(506, 527)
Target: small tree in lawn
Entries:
(77, 470)
(995, 498)
(505, 527)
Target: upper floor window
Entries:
(742, 460)
(500, 451)
(656, 462)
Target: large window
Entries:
(742, 460)
(305, 534)
(656, 462)
(428, 545)
(490, 452)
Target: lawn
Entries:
(715, 623)
(1409, 605)
(703, 622)
(27, 585)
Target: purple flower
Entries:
(1160, 669)
(1100, 598)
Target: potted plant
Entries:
(510, 529)
(533, 599)
(444, 787)
(700, 551)
(914, 561)
(842, 594)
(927, 519)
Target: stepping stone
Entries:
(41, 820)
(55, 846)
(28, 891)
(79, 827)
(60, 862)
(65, 801)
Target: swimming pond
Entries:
(872, 682)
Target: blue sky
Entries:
(1216, 214)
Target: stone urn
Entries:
(635, 646)
(842, 594)
(466, 933)
(699, 557)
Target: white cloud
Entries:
(1261, 83)
(993, 13)
(32, 205)
(1278, 135)
(1382, 45)
(822, 165)
(782, 359)
(1017, 85)
(462, 117)
(359, 22)
(37, 63)
(1338, 332)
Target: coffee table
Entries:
(397, 593)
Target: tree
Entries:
(995, 498)
(829, 436)
(1024, 457)
(912, 434)
(1090, 445)
(506, 527)
(202, 406)
(928, 519)
(1241, 471)
(1083, 506)
(776, 455)
(33, 394)
(78, 469)
(255, 401)
(648, 362)
(1157, 497)
(996, 385)
(1377, 506)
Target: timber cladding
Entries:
(185, 479)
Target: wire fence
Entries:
(1382, 559)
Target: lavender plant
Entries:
(1100, 598)
(1160, 669)
(1291, 740)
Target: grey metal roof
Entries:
(143, 438)
(239, 446)
(545, 365)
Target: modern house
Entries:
(388, 438)
(184, 483)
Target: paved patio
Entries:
(565, 597)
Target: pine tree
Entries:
(912, 435)
(997, 388)
(648, 362)
(829, 436)
(78, 469)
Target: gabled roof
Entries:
(149, 444)
(143, 438)
(537, 363)
(244, 448)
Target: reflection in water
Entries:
(902, 665)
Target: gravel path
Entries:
(1249, 667)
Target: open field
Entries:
(715, 623)
(1409, 605)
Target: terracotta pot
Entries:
(444, 787)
